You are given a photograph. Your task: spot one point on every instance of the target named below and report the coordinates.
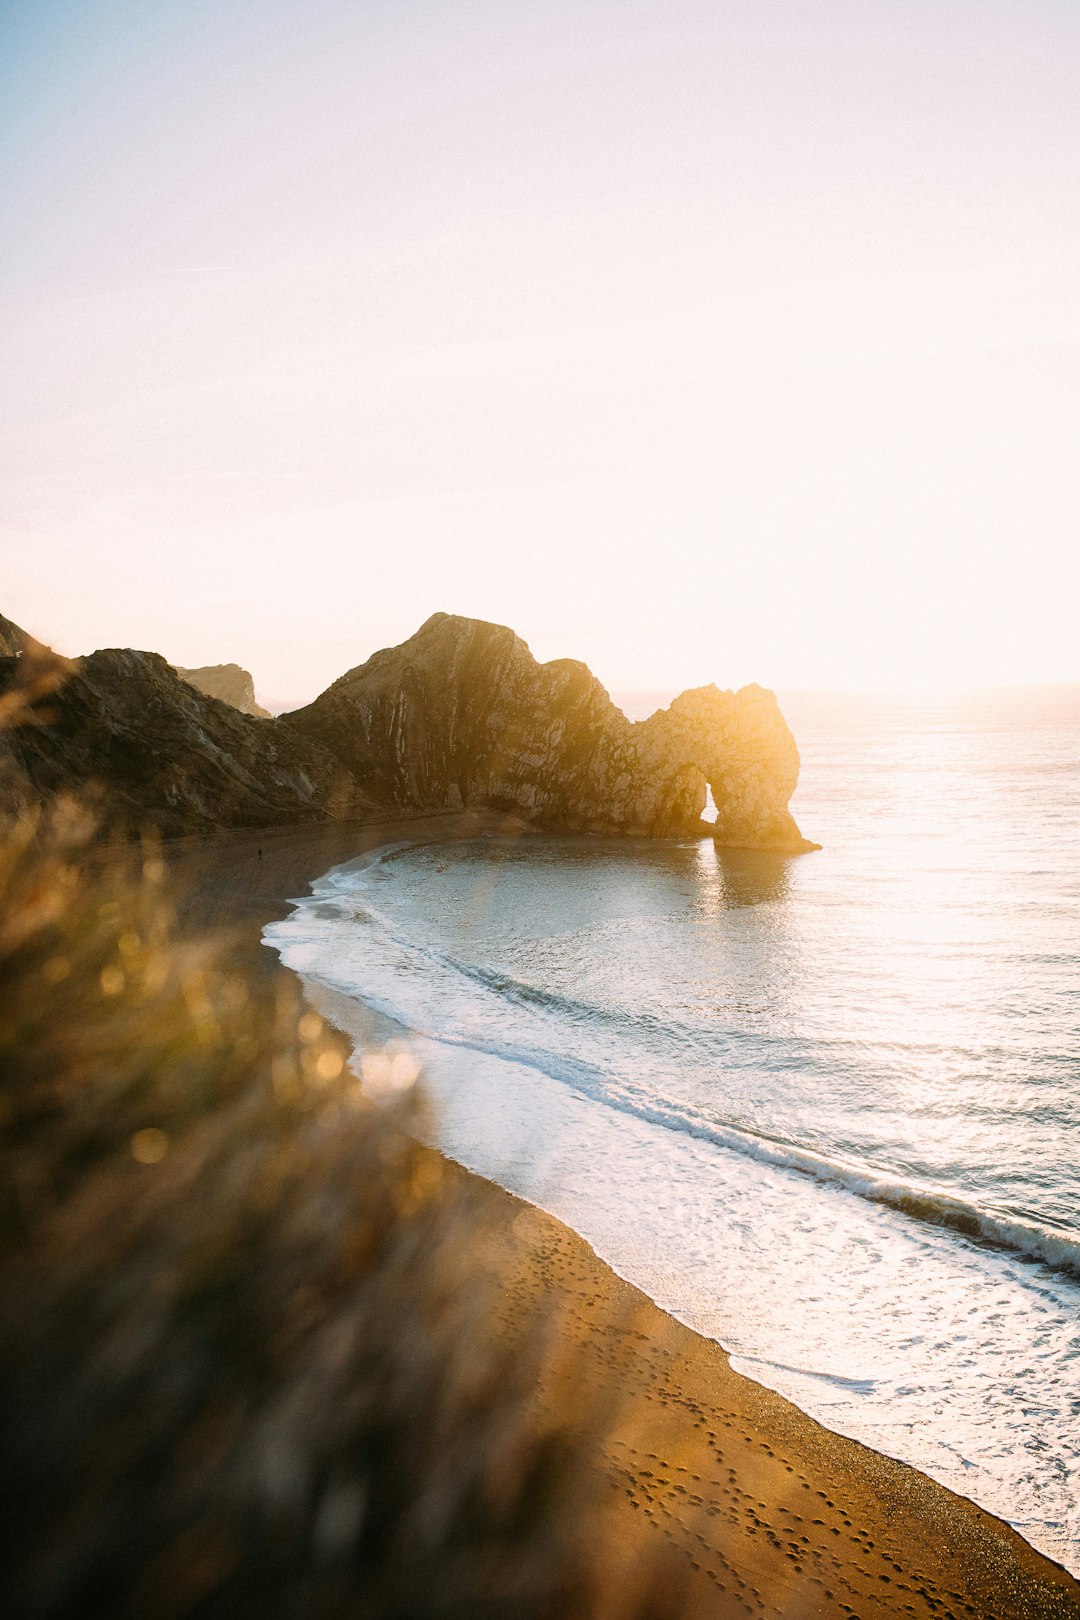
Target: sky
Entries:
(700, 339)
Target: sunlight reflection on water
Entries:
(646, 1038)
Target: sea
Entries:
(824, 1109)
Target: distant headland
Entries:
(459, 715)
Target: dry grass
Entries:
(247, 1363)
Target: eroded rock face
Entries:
(29, 671)
(229, 683)
(741, 745)
(462, 714)
(125, 728)
(14, 640)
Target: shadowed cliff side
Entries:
(459, 715)
(123, 727)
(462, 714)
(13, 640)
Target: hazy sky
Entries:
(699, 340)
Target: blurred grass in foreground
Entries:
(248, 1358)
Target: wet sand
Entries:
(754, 1508)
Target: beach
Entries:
(755, 1506)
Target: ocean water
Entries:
(824, 1109)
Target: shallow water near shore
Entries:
(826, 1109)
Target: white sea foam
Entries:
(825, 1113)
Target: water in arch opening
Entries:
(710, 812)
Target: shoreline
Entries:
(750, 1495)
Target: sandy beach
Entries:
(753, 1505)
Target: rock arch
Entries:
(737, 743)
(462, 714)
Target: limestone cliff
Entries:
(29, 672)
(462, 713)
(14, 641)
(229, 683)
(151, 750)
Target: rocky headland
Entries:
(462, 714)
(458, 716)
(229, 682)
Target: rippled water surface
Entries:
(825, 1109)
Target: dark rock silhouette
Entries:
(227, 682)
(154, 751)
(14, 641)
(460, 714)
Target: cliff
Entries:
(228, 683)
(151, 750)
(460, 714)
(14, 641)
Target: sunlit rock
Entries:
(229, 683)
(462, 714)
(740, 744)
